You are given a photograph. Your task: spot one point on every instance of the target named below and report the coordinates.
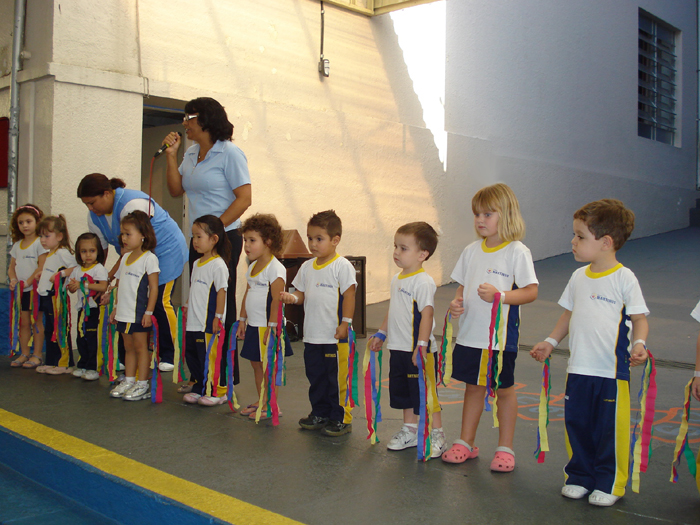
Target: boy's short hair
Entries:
(329, 221)
(426, 237)
(608, 217)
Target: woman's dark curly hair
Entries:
(211, 117)
(269, 229)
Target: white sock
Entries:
(413, 427)
(130, 379)
(142, 383)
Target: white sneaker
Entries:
(79, 372)
(137, 392)
(91, 375)
(166, 367)
(121, 389)
(404, 438)
(121, 378)
(574, 491)
(602, 499)
(438, 444)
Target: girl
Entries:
(90, 258)
(26, 253)
(262, 238)
(498, 262)
(137, 292)
(206, 308)
(55, 239)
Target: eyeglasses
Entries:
(189, 117)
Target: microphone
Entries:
(164, 147)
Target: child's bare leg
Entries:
(39, 335)
(507, 406)
(25, 332)
(471, 412)
(409, 417)
(437, 420)
(130, 362)
(143, 360)
(258, 373)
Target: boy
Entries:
(600, 301)
(326, 287)
(408, 326)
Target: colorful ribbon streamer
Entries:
(16, 316)
(425, 413)
(351, 391)
(682, 446)
(496, 325)
(212, 363)
(156, 379)
(179, 356)
(542, 437)
(62, 318)
(34, 316)
(446, 349)
(110, 344)
(641, 447)
(372, 371)
(230, 394)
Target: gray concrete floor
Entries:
(315, 479)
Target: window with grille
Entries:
(656, 111)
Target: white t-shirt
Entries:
(410, 294)
(132, 205)
(695, 314)
(507, 267)
(97, 272)
(55, 261)
(208, 277)
(132, 293)
(258, 298)
(600, 329)
(323, 287)
(26, 259)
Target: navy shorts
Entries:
(252, 343)
(131, 328)
(26, 299)
(470, 365)
(404, 390)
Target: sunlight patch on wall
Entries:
(421, 33)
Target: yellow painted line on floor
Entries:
(200, 498)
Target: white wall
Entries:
(542, 94)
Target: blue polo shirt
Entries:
(209, 185)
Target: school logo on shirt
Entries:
(133, 274)
(199, 281)
(404, 291)
(323, 285)
(597, 297)
(496, 272)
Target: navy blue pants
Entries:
(87, 342)
(327, 370)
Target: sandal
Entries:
(17, 363)
(185, 389)
(263, 415)
(250, 409)
(503, 460)
(33, 362)
(460, 452)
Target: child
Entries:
(206, 308)
(696, 382)
(407, 327)
(90, 258)
(26, 253)
(600, 303)
(55, 239)
(262, 237)
(326, 286)
(499, 262)
(137, 291)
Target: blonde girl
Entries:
(26, 253)
(54, 237)
(498, 262)
(206, 310)
(266, 276)
(137, 292)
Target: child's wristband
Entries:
(697, 373)
(381, 335)
(503, 297)
(296, 299)
(220, 317)
(552, 341)
(347, 320)
(423, 343)
(272, 325)
(644, 343)
(149, 313)
(242, 319)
